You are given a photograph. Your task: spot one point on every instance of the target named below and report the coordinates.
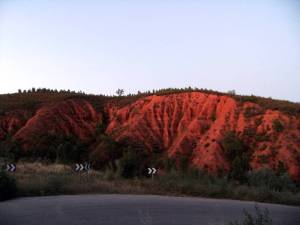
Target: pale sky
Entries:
(252, 46)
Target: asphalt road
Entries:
(133, 210)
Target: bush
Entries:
(232, 146)
(8, 187)
(105, 153)
(266, 178)
(133, 162)
(237, 154)
(129, 164)
(10, 150)
(277, 125)
(64, 149)
(54, 185)
(260, 218)
(100, 129)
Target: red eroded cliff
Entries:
(191, 124)
(70, 117)
(195, 123)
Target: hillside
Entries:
(206, 129)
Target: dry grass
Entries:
(41, 179)
(34, 179)
(37, 167)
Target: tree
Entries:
(281, 168)
(120, 92)
(237, 155)
(128, 166)
(10, 150)
(134, 161)
(231, 92)
(232, 145)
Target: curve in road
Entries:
(134, 210)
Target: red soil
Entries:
(71, 117)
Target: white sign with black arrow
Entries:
(11, 167)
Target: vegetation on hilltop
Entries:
(30, 99)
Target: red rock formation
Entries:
(195, 123)
(70, 117)
(191, 124)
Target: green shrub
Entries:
(8, 187)
(239, 166)
(232, 145)
(10, 150)
(105, 153)
(267, 178)
(63, 149)
(281, 168)
(262, 137)
(277, 125)
(128, 165)
(54, 185)
(133, 162)
(237, 154)
(250, 112)
(100, 129)
(214, 116)
(250, 132)
(264, 158)
(260, 218)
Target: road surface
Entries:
(133, 210)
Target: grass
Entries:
(37, 179)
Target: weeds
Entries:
(260, 218)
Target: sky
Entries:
(252, 47)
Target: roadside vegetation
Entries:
(260, 217)
(121, 167)
(38, 179)
(8, 186)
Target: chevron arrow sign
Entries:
(79, 167)
(87, 166)
(82, 167)
(11, 167)
(152, 171)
